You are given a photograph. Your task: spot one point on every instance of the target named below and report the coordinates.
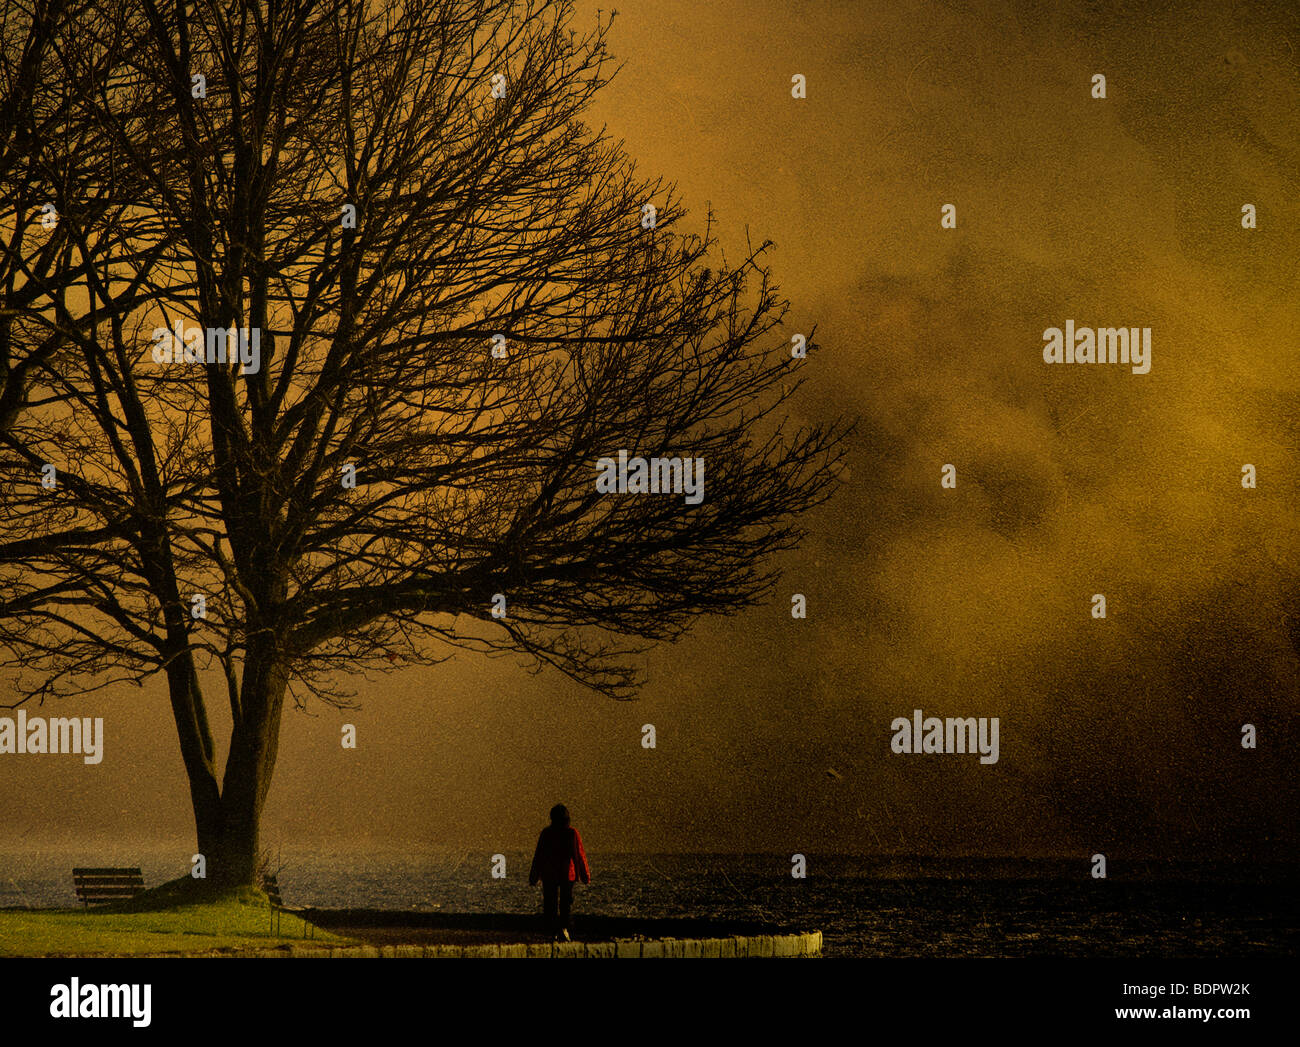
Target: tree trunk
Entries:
(196, 750)
(234, 861)
(254, 743)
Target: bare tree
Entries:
(461, 296)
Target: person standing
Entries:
(558, 863)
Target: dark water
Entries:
(863, 906)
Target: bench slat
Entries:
(123, 871)
(108, 890)
(271, 885)
(108, 879)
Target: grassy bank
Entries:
(174, 918)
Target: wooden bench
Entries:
(271, 885)
(100, 886)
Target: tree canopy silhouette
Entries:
(459, 302)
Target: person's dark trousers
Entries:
(561, 891)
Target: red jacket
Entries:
(559, 856)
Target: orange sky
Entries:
(1118, 735)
